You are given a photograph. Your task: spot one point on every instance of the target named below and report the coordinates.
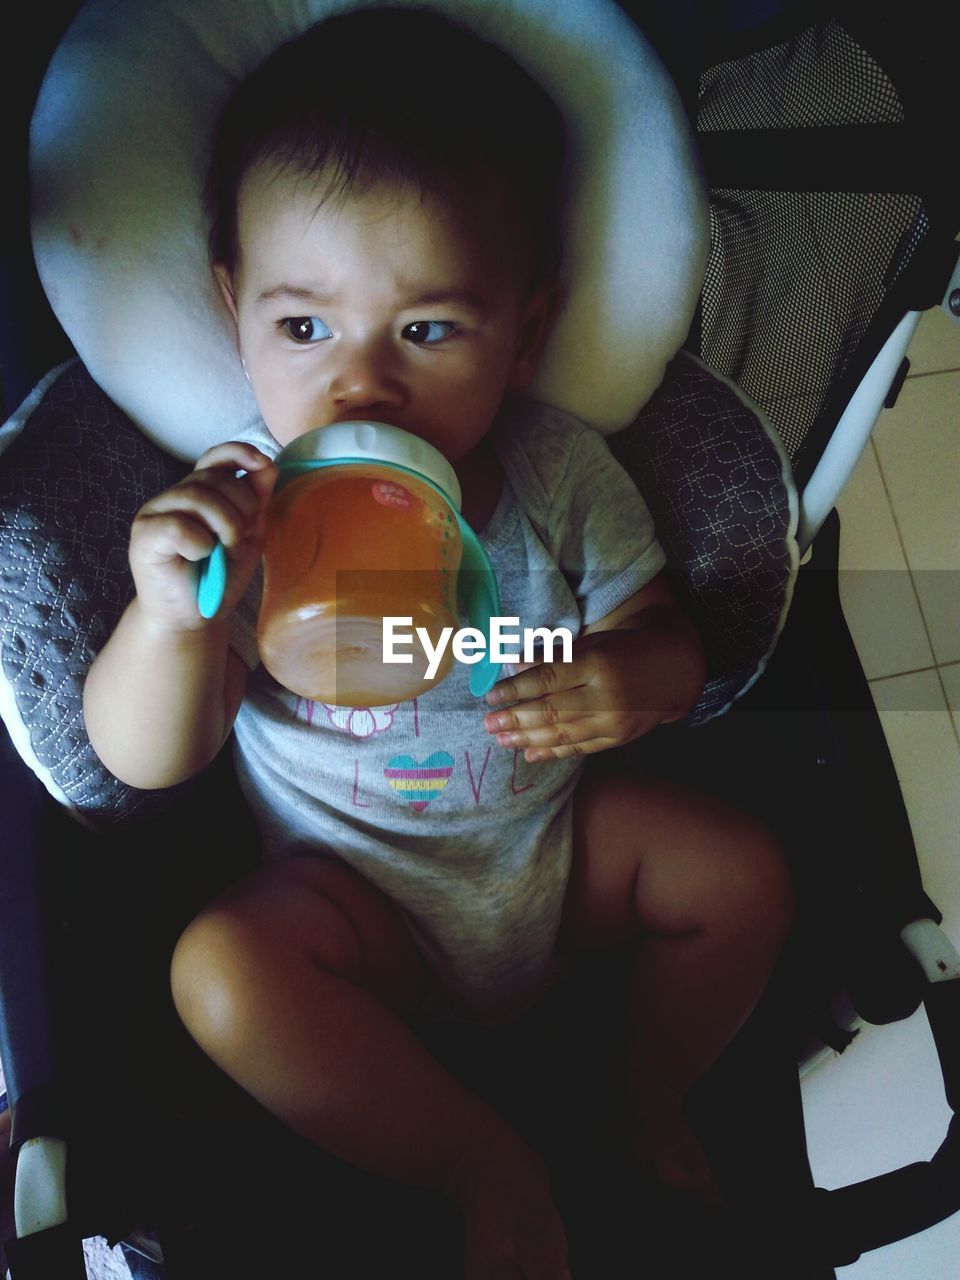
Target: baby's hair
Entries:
(402, 95)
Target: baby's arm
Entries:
(640, 666)
(162, 695)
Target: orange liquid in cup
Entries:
(346, 546)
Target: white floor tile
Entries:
(918, 448)
(868, 532)
(875, 1108)
(876, 590)
(103, 1261)
(932, 1255)
(936, 343)
(920, 733)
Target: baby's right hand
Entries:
(180, 527)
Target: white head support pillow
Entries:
(119, 148)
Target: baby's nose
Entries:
(364, 382)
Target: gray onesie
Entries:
(469, 840)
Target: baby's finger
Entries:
(570, 734)
(250, 485)
(204, 501)
(262, 482)
(537, 681)
(164, 536)
(236, 490)
(589, 747)
(563, 708)
(236, 453)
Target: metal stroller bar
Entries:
(851, 434)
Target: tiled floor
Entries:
(881, 1105)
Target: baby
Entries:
(384, 194)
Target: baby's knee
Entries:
(268, 946)
(764, 886)
(209, 977)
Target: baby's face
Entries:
(378, 305)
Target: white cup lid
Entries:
(374, 442)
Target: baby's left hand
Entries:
(619, 685)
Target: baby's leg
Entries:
(297, 982)
(704, 892)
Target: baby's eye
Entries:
(428, 332)
(306, 328)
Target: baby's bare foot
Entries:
(512, 1230)
(664, 1146)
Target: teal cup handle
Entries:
(479, 598)
(211, 581)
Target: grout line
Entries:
(931, 373)
(943, 690)
(895, 675)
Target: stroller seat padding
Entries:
(119, 146)
(73, 474)
(74, 471)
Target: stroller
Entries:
(832, 228)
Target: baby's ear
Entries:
(225, 282)
(537, 315)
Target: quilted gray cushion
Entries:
(70, 484)
(725, 508)
(75, 471)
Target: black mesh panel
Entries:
(792, 284)
(795, 277)
(819, 77)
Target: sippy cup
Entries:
(364, 524)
